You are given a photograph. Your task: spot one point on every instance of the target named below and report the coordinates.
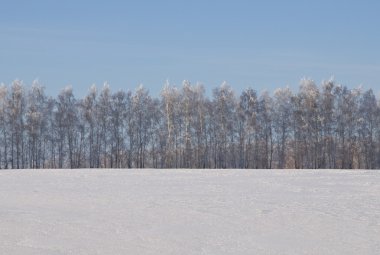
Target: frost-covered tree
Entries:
(36, 125)
(223, 118)
(282, 113)
(368, 122)
(104, 122)
(328, 122)
(66, 121)
(89, 115)
(142, 104)
(200, 143)
(4, 127)
(265, 132)
(247, 128)
(118, 129)
(16, 117)
(327, 126)
(170, 103)
(309, 98)
(347, 116)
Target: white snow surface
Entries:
(178, 211)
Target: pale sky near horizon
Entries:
(259, 44)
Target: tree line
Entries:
(320, 126)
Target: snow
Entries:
(189, 212)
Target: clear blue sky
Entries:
(262, 44)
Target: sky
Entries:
(258, 44)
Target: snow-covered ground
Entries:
(189, 212)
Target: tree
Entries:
(247, 127)
(17, 107)
(36, 125)
(282, 122)
(265, 131)
(346, 115)
(309, 99)
(170, 101)
(368, 123)
(4, 126)
(327, 126)
(89, 115)
(118, 128)
(104, 121)
(328, 122)
(142, 105)
(224, 106)
(66, 118)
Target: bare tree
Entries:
(17, 108)
(247, 127)
(36, 125)
(67, 126)
(4, 126)
(170, 97)
(282, 122)
(224, 106)
(367, 128)
(142, 117)
(118, 129)
(327, 126)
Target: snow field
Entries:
(179, 211)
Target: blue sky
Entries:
(261, 44)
